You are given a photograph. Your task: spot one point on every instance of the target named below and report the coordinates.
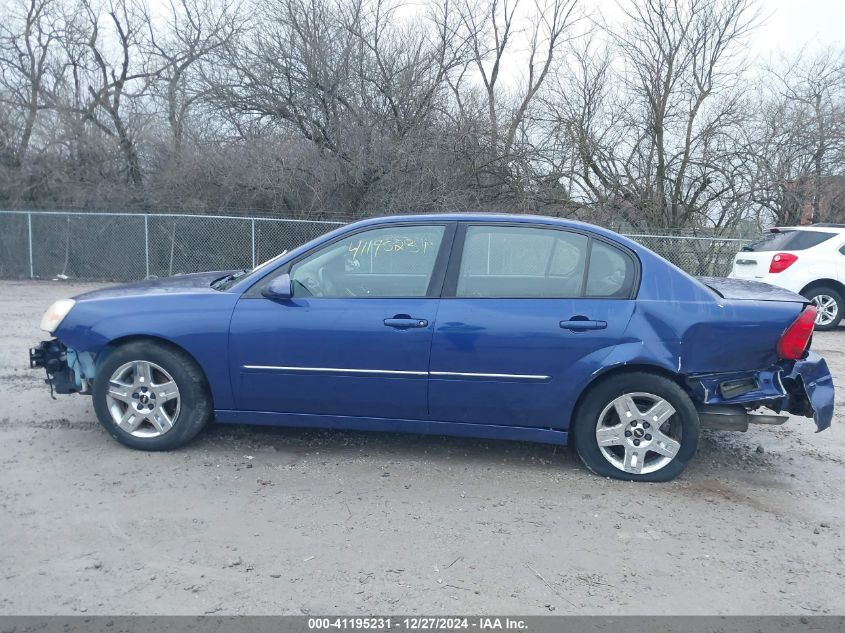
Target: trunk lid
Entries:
(748, 290)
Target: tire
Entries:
(619, 458)
(822, 296)
(158, 417)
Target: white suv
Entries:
(809, 260)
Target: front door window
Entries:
(380, 263)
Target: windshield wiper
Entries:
(224, 282)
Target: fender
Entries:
(197, 323)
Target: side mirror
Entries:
(279, 288)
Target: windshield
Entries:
(788, 240)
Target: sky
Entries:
(787, 24)
(785, 27)
(793, 23)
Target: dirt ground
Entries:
(250, 520)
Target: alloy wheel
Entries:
(637, 433)
(826, 309)
(143, 399)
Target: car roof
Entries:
(503, 218)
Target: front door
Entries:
(527, 314)
(355, 338)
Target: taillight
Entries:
(793, 342)
(781, 262)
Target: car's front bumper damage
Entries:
(67, 371)
(803, 388)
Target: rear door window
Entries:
(527, 262)
(789, 241)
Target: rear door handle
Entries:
(403, 322)
(582, 325)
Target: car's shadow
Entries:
(339, 445)
(718, 451)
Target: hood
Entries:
(747, 290)
(192, 283)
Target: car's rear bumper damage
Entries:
(810, 391)
(67, 370)
(803, 388)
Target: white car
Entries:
(809, 260)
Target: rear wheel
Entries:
(636, 427)
(830, 307)
(151, 396)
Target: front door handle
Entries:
(403, 322)
(582, 325)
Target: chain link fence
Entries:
(129, 246)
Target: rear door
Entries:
(527, 314)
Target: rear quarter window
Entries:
(789, 241)
(611, 273)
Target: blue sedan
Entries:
(491, 326)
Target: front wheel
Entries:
(636, 427)
(829, 307)
(151, 396)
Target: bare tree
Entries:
(350, 78)
(349, 107)
(801, 135)
(28, 37)
(110, 80)
(652, 120)
(495, 31)
(191, 35)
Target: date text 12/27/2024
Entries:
(417, 623)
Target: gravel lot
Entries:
(285, 521)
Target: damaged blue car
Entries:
(490, 326)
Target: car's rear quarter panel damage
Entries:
(707, 340)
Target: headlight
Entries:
(55, 314)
